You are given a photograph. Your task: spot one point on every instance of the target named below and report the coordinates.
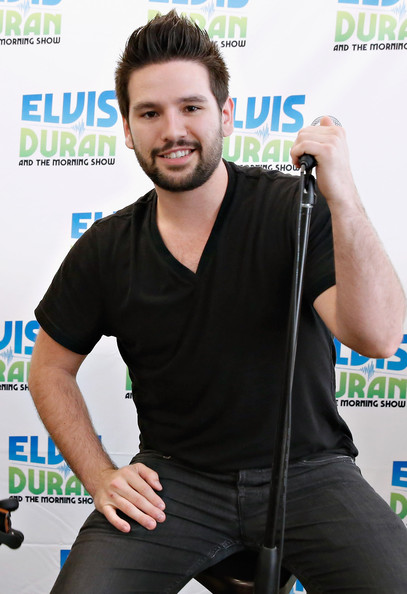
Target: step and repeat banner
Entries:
(64, 165)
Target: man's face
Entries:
(175, 126)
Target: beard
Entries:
(208, 162)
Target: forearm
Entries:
(366, 308)
(370, 302)
(64, 413)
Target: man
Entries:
(194, 280)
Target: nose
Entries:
(173, 126)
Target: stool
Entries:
(235, 575)
(8, 536)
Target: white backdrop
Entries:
(64, 163)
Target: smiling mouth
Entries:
(178, 154)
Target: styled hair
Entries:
(165, 38)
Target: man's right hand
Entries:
(130, 489)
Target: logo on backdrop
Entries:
(371, 383)
(68, 129)
(371, 25)
(224, 20)
(39, 474)
(398, 496)
(16, 346)
(265, 128)
(30, 22)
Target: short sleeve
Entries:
(71, 311)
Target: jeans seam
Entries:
(196, 568)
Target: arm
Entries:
(366, 308)
(53, 386)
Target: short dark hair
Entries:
(170, 37)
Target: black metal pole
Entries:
(267, 580)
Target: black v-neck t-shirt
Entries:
(206, 350)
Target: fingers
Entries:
(132, 490)
(326, 121)
(327, 143)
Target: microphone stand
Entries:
(267, 580)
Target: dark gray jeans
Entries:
(340, 535)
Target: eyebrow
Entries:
(142, 105)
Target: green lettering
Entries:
(73, 486)
(251, 149)
(54, 483)
(68, 143)
(16, 480)
(16, 372)
(377, 387)
(342, 384)
(217, 27)
(400, 384)
(54, 143)
(31, 481)
(52, 19)
(13, 23)
(272, 151)
(356, 385)
(397, 500)
(2, 370)
(361, 26)
(226, 148)
(33, 24)
(237, 22)
(110, 142)
(345, 26)
(87, 145)
(28, 142)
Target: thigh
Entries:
(341, 536)
(199, 510)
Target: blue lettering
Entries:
(236, 123)
(108, 109)
(219, 3)
(253, 121)
(275, 117)
(357, 359)
(31, 331)
(35, 458)
(29, 107)
(339, 359)
(43, 2)
(54, 457)
(399, 478)
(18, 337)
(48, 116)
(69, 117)
(71, 111)
(237, 3)
(78, 226)
(256, 118)
(292, 113)
(401, 363)
(370, 2)
(90, 115)
(14, 448)
(8, 332)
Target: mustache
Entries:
(176, 144)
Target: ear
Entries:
(127, 134)
(227, 117)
